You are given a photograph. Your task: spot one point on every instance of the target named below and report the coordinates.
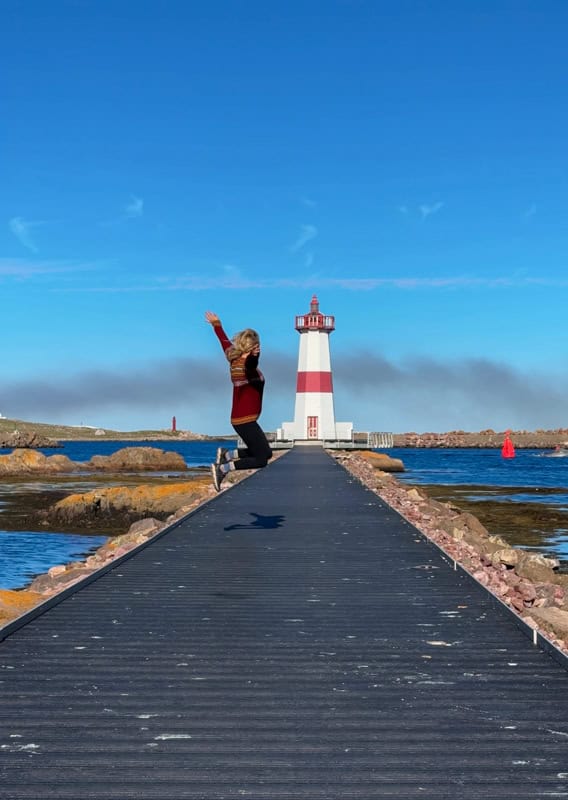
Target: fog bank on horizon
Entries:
(377, 394)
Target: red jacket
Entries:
(247, 380)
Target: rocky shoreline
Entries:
(529, 583)
(538, 440)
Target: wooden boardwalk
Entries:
(294, 638)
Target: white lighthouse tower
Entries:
(314, 416)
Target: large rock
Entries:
(129, 459)
(382, 461)
(58, 580)
(537, 568)
(23, 462)
(139, 459)
(553, 620)
(467, 528)
(131, 503)
(31, 439)
(14, 604)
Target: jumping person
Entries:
(242, 353)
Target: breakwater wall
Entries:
(539, 439)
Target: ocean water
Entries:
(530, 469)
(483, 467)
(196, 454)
(24, 554)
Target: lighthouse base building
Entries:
(314, 415)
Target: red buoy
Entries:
(508, 449)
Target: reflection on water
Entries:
(25, 554)
(559, 500)
(556, 545)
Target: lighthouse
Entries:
(314, 415)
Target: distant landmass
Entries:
(15, 433)
(21, 433)
(539, 439)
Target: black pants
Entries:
(257, 453)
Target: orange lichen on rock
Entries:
(382, 461)
(14, 604)
(23, 461)
(137, 500)
(139, 459)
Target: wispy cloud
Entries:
(22, 230)
(530, 212)
(308, 202)
(23, 268)
(134, 208)
(307, 233)
(233, 279)
(427, 211)
(454, 282)
(424, 210)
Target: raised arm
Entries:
(215, 323)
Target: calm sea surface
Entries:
(529, 468)
(24, 554)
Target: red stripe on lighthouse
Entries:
(314, 382)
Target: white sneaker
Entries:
(218, 476)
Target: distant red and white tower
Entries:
(314, 415)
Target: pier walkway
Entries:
(293, 638)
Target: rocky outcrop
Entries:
(382, 461)
(139, 459)
(128, 459)
(14, 604)
(553, 620)
(31, 439)
(128, 503)
(24, 462)
(528, 582)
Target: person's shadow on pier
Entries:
(259, 522)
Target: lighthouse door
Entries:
(312, 427)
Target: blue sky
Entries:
(406, 161)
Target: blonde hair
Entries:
(243, 342)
